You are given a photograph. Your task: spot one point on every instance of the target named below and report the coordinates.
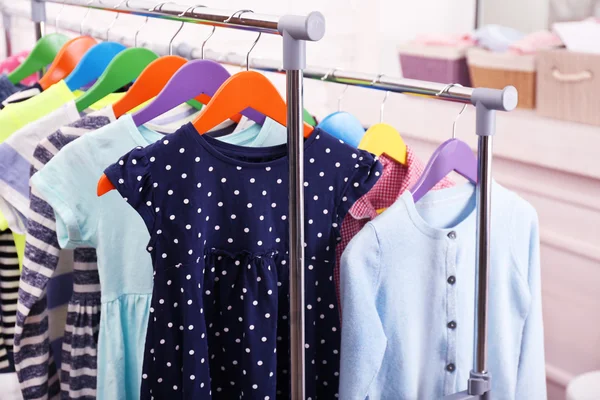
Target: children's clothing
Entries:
(408, 289)
(119, 237)
(217, 217)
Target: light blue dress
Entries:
(68, 182)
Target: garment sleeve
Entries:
(68, 184)
(34, 359)
(132, 178)
(366, 173)
(14, 170)
(531, 379)
(363, 338)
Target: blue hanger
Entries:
(93, 64)
(341, 124)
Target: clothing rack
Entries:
(296, 30)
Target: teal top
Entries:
(119, 236)
(408, 284)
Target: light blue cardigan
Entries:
(407, 282)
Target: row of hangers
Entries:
(382, 138)
(204, 84)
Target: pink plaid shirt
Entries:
(395, 179)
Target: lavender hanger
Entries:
(191, 80)
(452, 155)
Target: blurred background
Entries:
(546, 150)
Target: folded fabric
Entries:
(496, 37)
(460, 40)
(541, 40)
(579, 36)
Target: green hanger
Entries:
(309, 119)
(40, 57)
(123, 69)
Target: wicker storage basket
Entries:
(569, 86)
(434, 63)
(498, 70)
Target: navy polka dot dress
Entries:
(217, 216)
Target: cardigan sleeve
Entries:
(531, 375)
(363, 338)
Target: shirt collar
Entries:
(395, 179)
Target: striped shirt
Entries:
(53, 277)
(47, 285)
(9, 287)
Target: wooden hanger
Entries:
(66, 60)
(247, 89)
(156, 76)
(383, 138)
(42, 55)
(93, 64)
(149, 84)
(193, 79)
(342, 124)
(452, 155)
(122, 70)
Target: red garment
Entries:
(395, 179)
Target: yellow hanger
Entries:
(383, 138)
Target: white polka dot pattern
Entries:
(220, 328)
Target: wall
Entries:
(532, 15)
(552, 164)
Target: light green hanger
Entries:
(122, 70)
(40, 57)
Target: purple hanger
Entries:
(191, 80)
(452, 155)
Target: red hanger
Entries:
(247, 89)
(149, 84)
(66, 60)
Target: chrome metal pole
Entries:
(177, 12)
(6, 22)
(38, 16)
(295, 128)
(484, 216)
(296, 30)
(478, 14)
(40, 29)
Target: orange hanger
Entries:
(66, 60)
(242, 90)
(150, 83)
(247, 89)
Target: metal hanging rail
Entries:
(295, 31)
